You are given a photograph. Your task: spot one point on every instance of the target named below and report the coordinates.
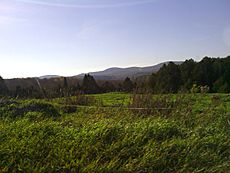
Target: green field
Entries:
(110, 133)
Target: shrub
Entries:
(20, 109)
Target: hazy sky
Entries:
(68, 37)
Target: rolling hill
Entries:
(116, 73)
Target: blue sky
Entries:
(68, 37)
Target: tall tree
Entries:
(186, 69)
(128, 85)
(89, 85)
(203, 72)
(65, 87)
(3, 87)
(168, 78)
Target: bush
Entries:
(20, 109)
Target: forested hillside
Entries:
(208, 75)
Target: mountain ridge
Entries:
(49, 76)
(117, 73)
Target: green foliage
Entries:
(3, 87)
(169, 78)
(193, 137)
(128, 85)
(20, 109)
(113, 99)
(211, 73)
(89, 85)
(195, 89)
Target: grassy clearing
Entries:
(192, 136)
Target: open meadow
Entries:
(116, 132)
(114, 86)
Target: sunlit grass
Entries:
(193, 137)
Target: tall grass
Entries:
(190, 138)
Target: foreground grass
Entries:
(194, 136)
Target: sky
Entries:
(68, 37)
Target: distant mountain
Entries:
(116, 73)
(49, 77)
(51, 81)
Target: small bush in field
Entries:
(20, 109)
(38, 106)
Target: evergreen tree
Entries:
(65, 83)
(212, 73)
(3, 87)
(203, 72)
(187, 69)
(89, 85)
(168, 78)
(128, 85)
(65, 87)
(152, 82)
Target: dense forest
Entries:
(209, 75)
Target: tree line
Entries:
(43, 88)
(208, 75)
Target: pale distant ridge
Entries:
(116, 73)
(49, 76)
